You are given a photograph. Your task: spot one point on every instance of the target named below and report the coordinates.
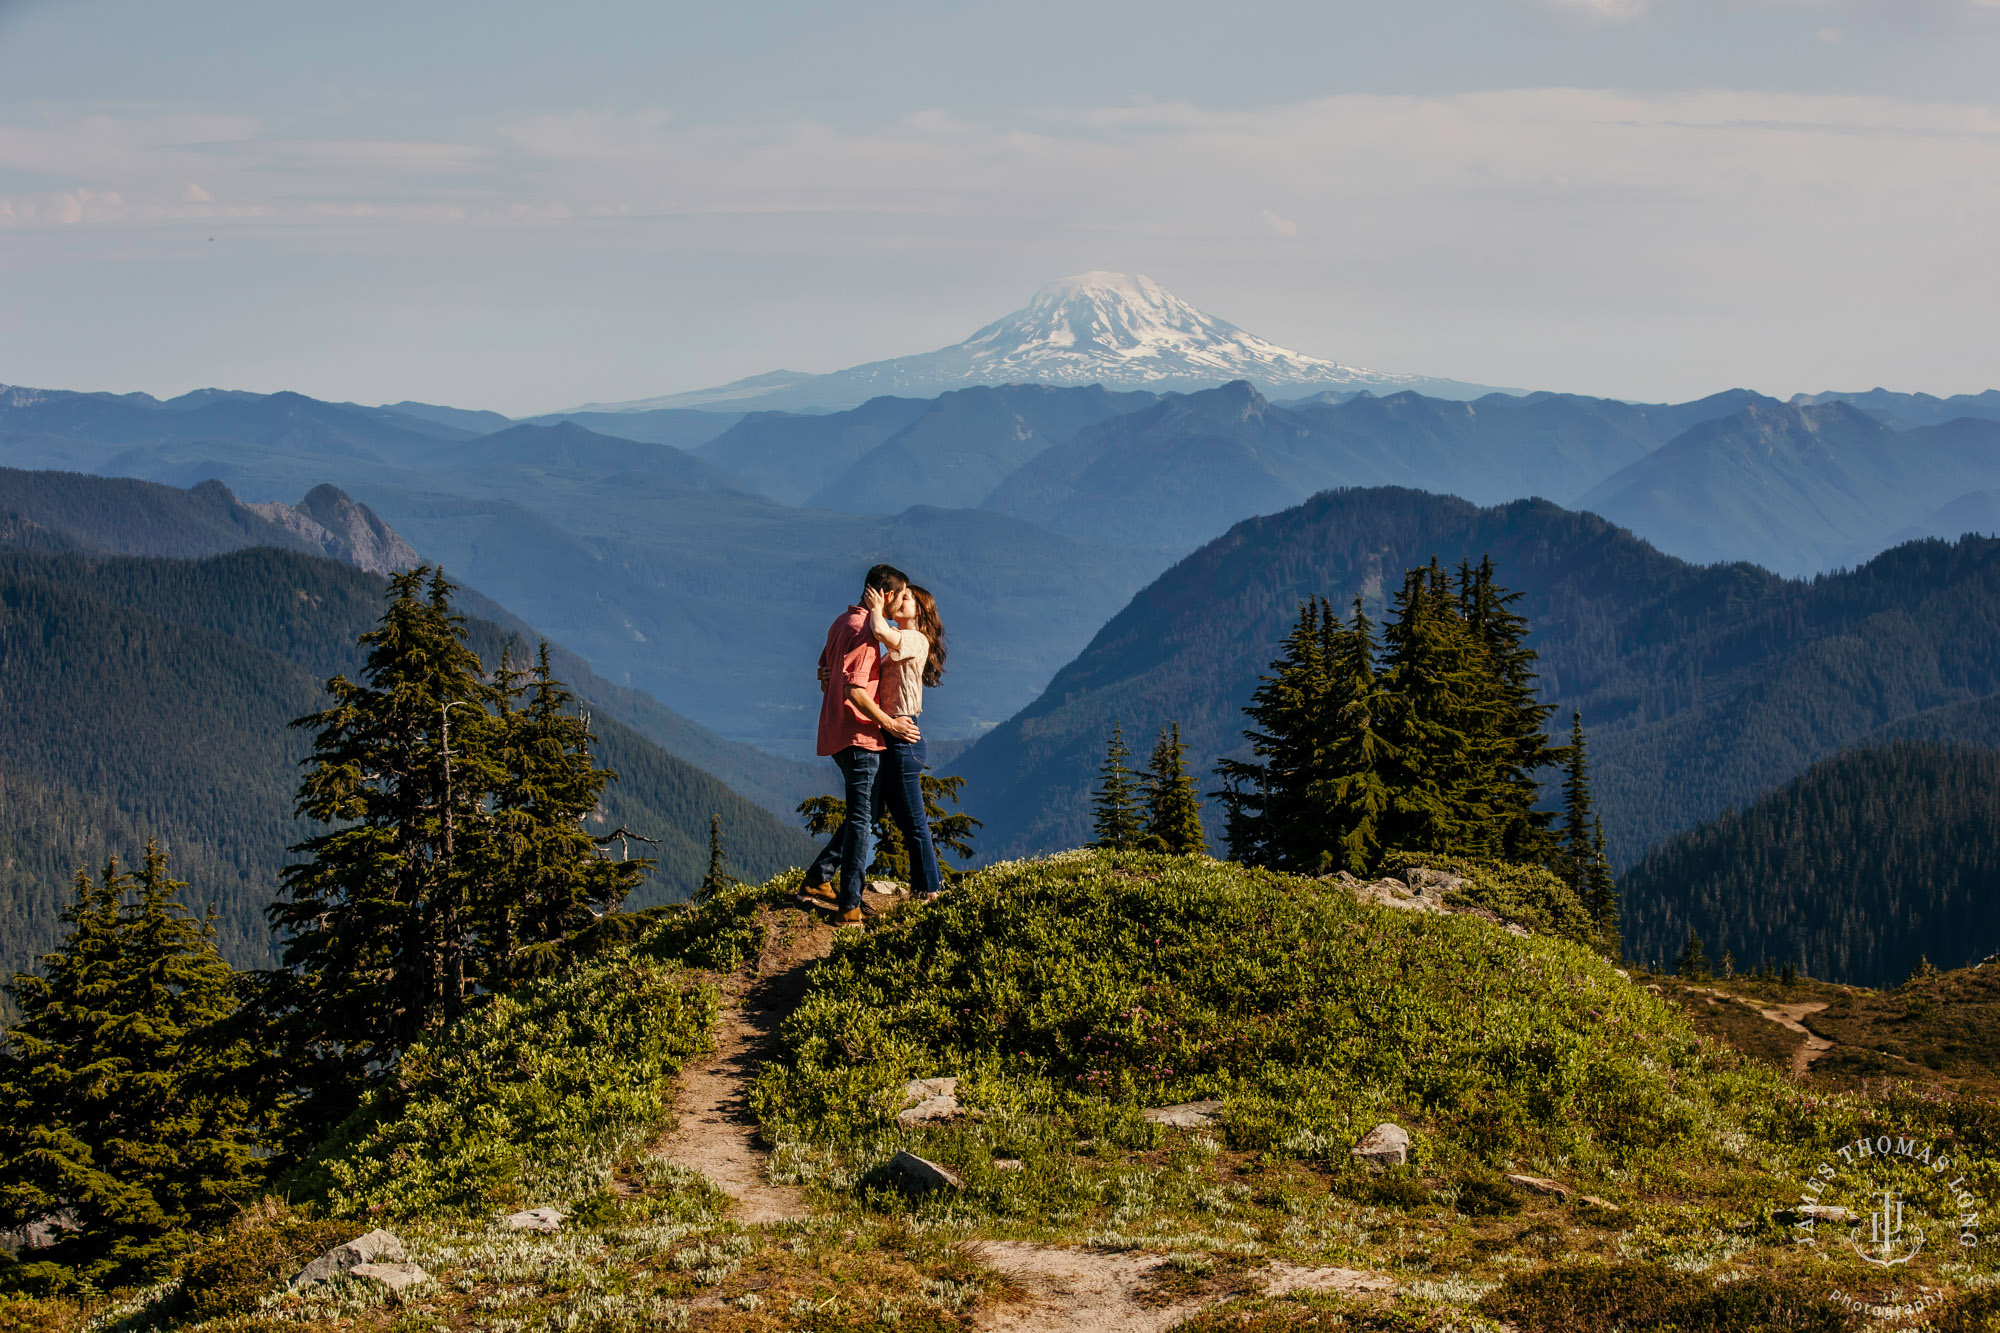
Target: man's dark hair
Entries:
(886, 579)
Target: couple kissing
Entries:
(879, 658)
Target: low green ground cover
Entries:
(1071, 993)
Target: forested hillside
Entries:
(57, 512)
(1701, 687)
(153, 696)
(1856, 870)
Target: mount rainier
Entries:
(1123, 331)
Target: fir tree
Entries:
(950, 831)
(1600, 894)
(1516, 720)
(1173, 810)
(541, 877)
(1435, 727)
(454, 856)
(1693, 961)
(112, 1100)
(1271, 819)
(1354, 791)
(718, 877)
(1116, 805)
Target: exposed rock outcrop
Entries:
(343, 529)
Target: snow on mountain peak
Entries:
(1120, 330)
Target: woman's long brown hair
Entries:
(931, 628)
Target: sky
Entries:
(525, 207)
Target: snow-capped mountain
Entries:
(1123, 331)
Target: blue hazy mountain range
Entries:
(1702, 685)
(704, 573)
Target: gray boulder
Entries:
(535, 1219)
(375, 1248)
(1185, 1115)
(924, 1174)
(396, 1277)
(1384, 1145)
(929, 1101)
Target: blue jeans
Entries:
(903, 789)
(852, 847)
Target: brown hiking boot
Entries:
(853, 916)
(822, 893)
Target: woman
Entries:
(916, 659)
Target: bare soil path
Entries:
(1096, 1291)
(715, 1133)
(1788, 1016)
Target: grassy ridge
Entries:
(1071, 993)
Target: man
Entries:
(851, 726)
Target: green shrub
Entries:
(531, 1097)
(1090, 985)
(1593, 1299)
(1968, 1312)
(255, 1254)
(721, 933)
(1528, 895)
(1487, 1196)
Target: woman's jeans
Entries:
(901, 787)
(844, 859)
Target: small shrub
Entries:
(1528, 895)
(531, 1097)
(1395, 1190)
(1488, 1196)
(51, 1315)
(721, 933)
(1592, 1299)
(263, 1248)
(1968, 1312)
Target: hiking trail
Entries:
(715, 1132)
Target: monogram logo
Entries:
(1889, 1241)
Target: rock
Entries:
(930, 1111)
(1537, 1185)
(377, 1247)
(1593, 1201)
(888, 888)
(1514, 928)
(1187, 1115)
(929, 1101)
(536, 1219)
(924, 1174)
(1818, 1212)
(393, 1276)
(43, 1233)
(1433, 883)
(1006, 1164)
(1384, 1145)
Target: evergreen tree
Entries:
(1354, 790)
(1116, 804)
(1271, 819)
(718, 877)
(111, 1087)
(1693, 961)
(1173, 810)
(1600, 894)
(541, 878)
(1436, 729)
(950, 832)
(454, 855)
(1517, 721)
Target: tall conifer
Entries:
(718, 877)
(1116, 807)
(112, 1100)
(1173, 809)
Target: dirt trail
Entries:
(1094, 1291)
(1814, 1046)
(716, 1133)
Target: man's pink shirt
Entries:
(850, 658)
